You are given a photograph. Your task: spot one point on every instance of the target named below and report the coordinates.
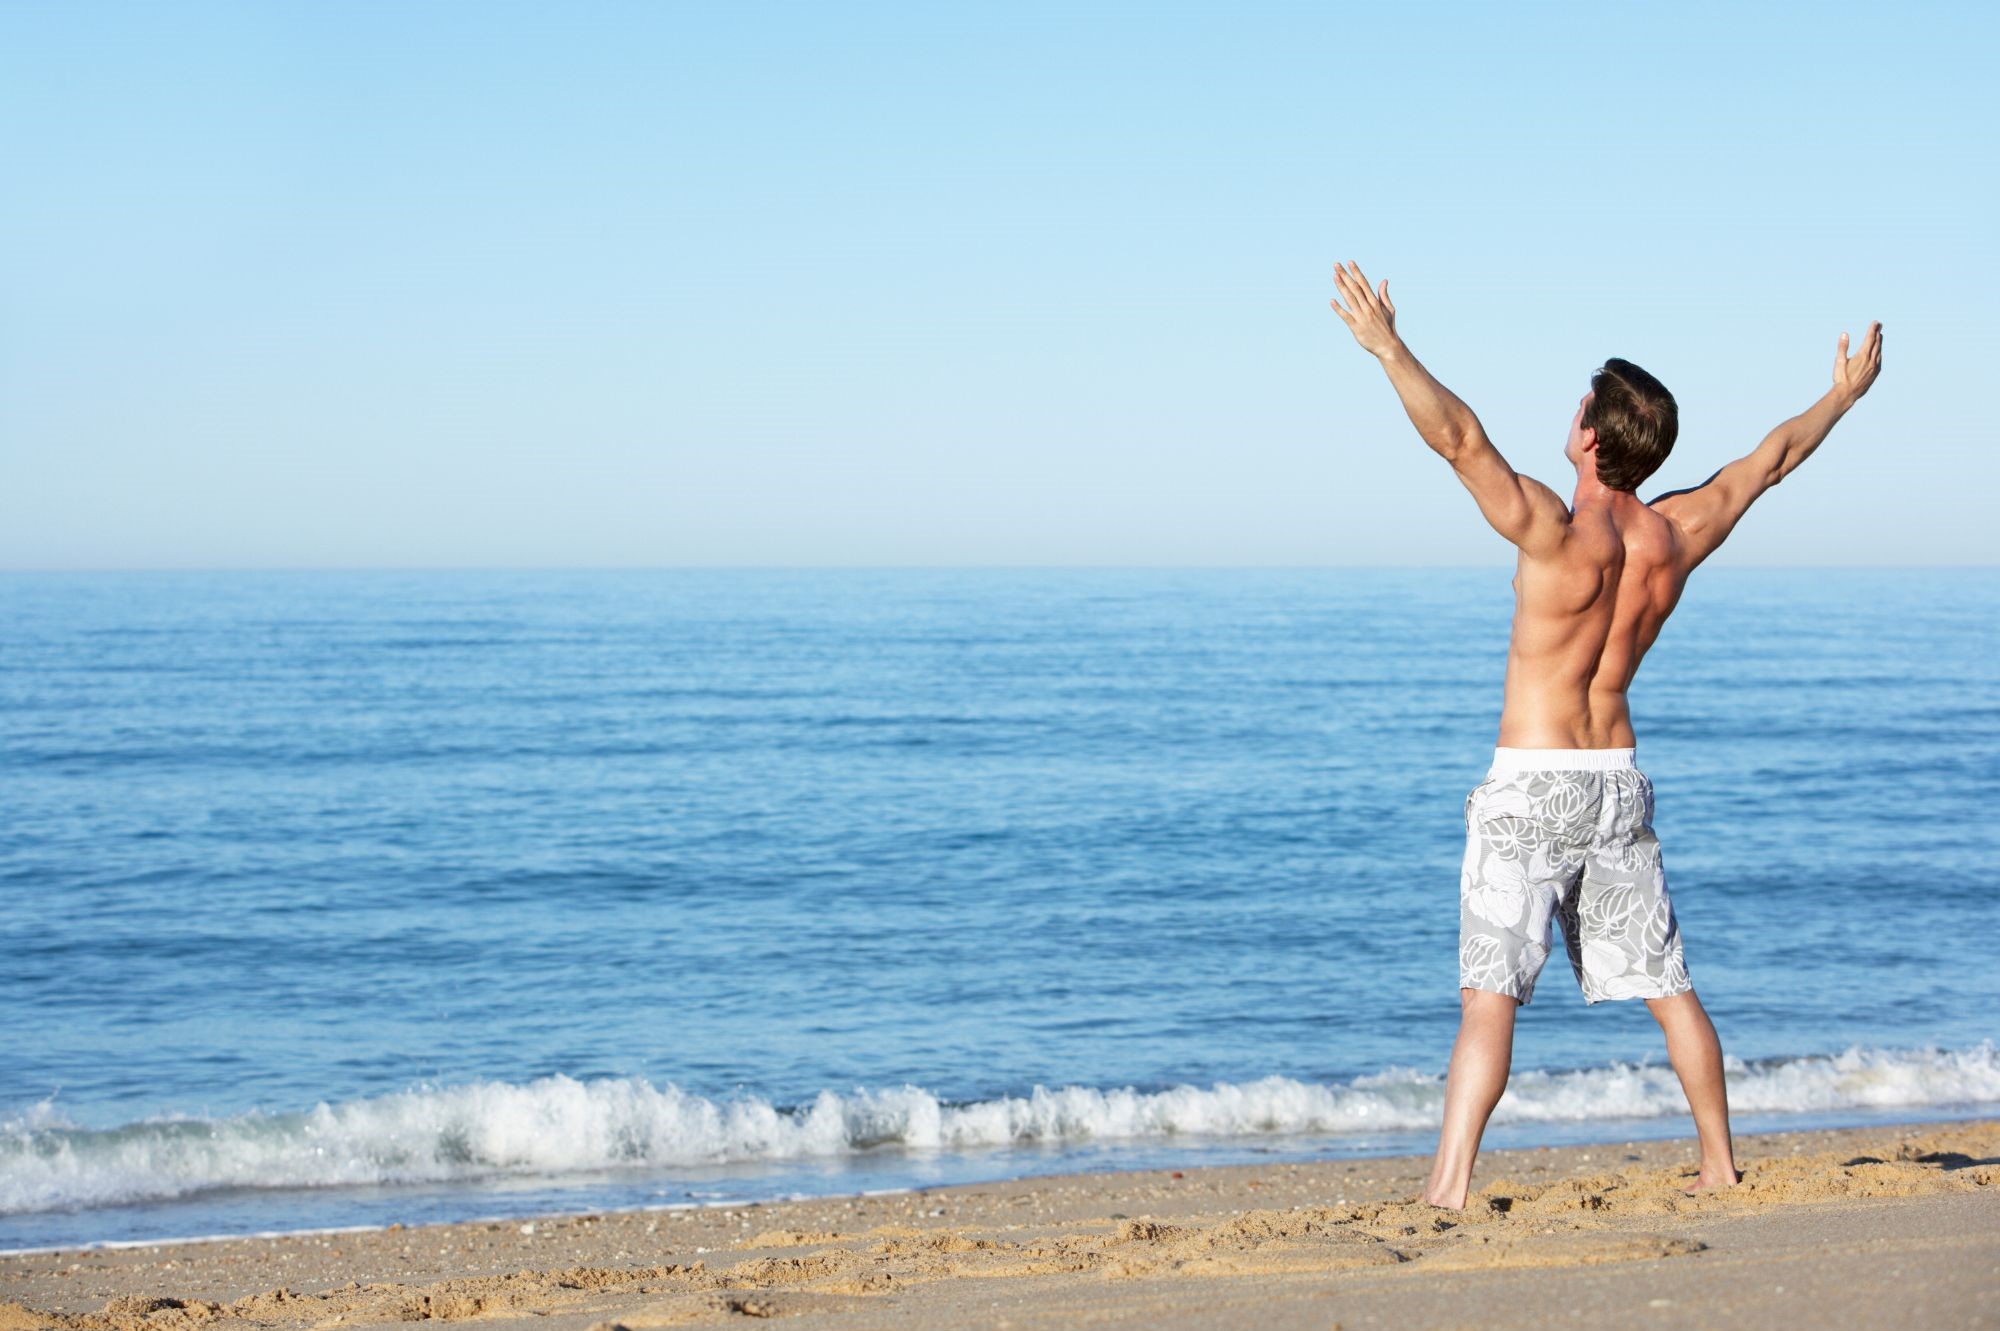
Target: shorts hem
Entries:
(1520, 996)
(1626, 998)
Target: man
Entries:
(1561, 829)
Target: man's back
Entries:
(1597, 577)
(1584, 614)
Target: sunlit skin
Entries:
(1594, 581)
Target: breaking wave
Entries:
(559, 1126)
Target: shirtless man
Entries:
(1561, 829)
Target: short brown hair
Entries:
(1636, 420)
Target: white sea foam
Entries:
(559, 1126)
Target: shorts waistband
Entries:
(1561, 760)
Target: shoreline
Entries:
(1189, 1244)
(1273, 1154)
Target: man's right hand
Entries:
(1852, 375)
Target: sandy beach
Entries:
(1882, 1226)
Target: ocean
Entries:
(353, 898)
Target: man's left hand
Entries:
(1370, 316)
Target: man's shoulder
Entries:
(1598, 542)
(1677, 509)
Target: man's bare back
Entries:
(1561, 829)
(1587, 609)
(1583, 619)
(1596, 577)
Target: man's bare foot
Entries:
(1459, 1205)
(1709, 1183)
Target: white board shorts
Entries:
(1566, 835)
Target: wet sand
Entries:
(1862, 1227)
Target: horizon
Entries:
(1489, 567)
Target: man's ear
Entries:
(1589, 437)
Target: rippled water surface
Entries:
(341, 897)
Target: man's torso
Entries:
(1583, 619)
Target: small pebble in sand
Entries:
(528, 1228)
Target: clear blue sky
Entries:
(673, 284)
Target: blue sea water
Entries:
(346, 898)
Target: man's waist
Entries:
(1507, 760)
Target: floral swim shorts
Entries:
(1566, 835)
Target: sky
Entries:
(609, 284)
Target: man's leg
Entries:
(1696, 1054)
(1479, 1064)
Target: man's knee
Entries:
(1677, 1009)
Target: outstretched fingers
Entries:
(1871, 345)
(1340, 284)
(1358, 282)
(1346, 285)
(1367, 312)
(1858, 371)
(1362, 297)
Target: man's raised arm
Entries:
(1520, 508)
(1708, 512)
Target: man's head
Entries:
(1628, 421)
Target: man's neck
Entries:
(1593, 493)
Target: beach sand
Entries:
(1864, 1227)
